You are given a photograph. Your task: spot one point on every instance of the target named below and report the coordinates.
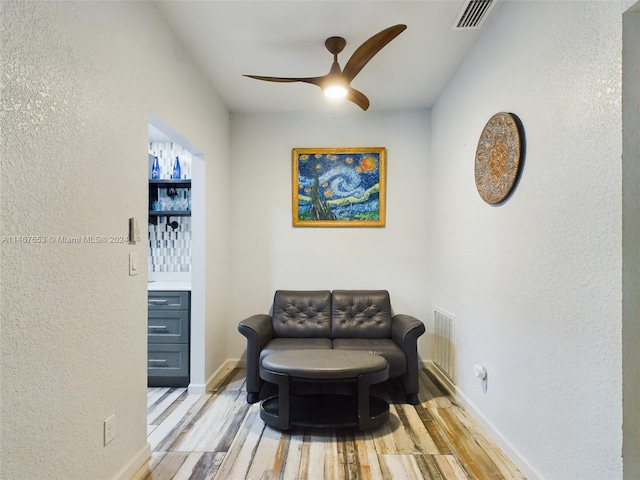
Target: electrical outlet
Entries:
(109, 429)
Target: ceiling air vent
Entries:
(473, 14)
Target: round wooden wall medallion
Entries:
(498, 158)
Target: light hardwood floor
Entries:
(219, 436)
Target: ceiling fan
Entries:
(337, 83)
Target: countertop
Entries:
(157, 286)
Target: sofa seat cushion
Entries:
(385, 347)
(282, 344)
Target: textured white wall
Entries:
(78, 82)
(536, 283)
(630, 244)
(269, 254)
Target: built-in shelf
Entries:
(171, 183)
(170, 213)
(173, 188)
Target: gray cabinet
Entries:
(168, 339)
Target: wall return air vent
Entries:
(473, 14)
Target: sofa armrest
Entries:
(405, 331)
(258, 330)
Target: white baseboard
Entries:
(198, 388)
(529, 471)
(131, 468)
(239, 362)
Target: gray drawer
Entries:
(168, 326)
(168, 360)
(168, 300)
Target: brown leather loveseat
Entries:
(343, 319)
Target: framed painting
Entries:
(339, 187)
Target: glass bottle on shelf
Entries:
(177, 173)
(155, 169)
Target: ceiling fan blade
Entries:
(311, 80)
(358, 98)
(368, 49)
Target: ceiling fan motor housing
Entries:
(335, 44)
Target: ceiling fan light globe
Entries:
(335, 91)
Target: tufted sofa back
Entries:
(361, 314)
(302, 314)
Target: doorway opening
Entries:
(176, 242)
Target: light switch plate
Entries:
(133, 264)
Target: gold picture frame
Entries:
(339, 187)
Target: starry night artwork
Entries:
(339, 187)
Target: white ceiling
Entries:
(286, 39)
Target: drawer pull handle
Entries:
(157, 360)
(159, 302)
(158, 327)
